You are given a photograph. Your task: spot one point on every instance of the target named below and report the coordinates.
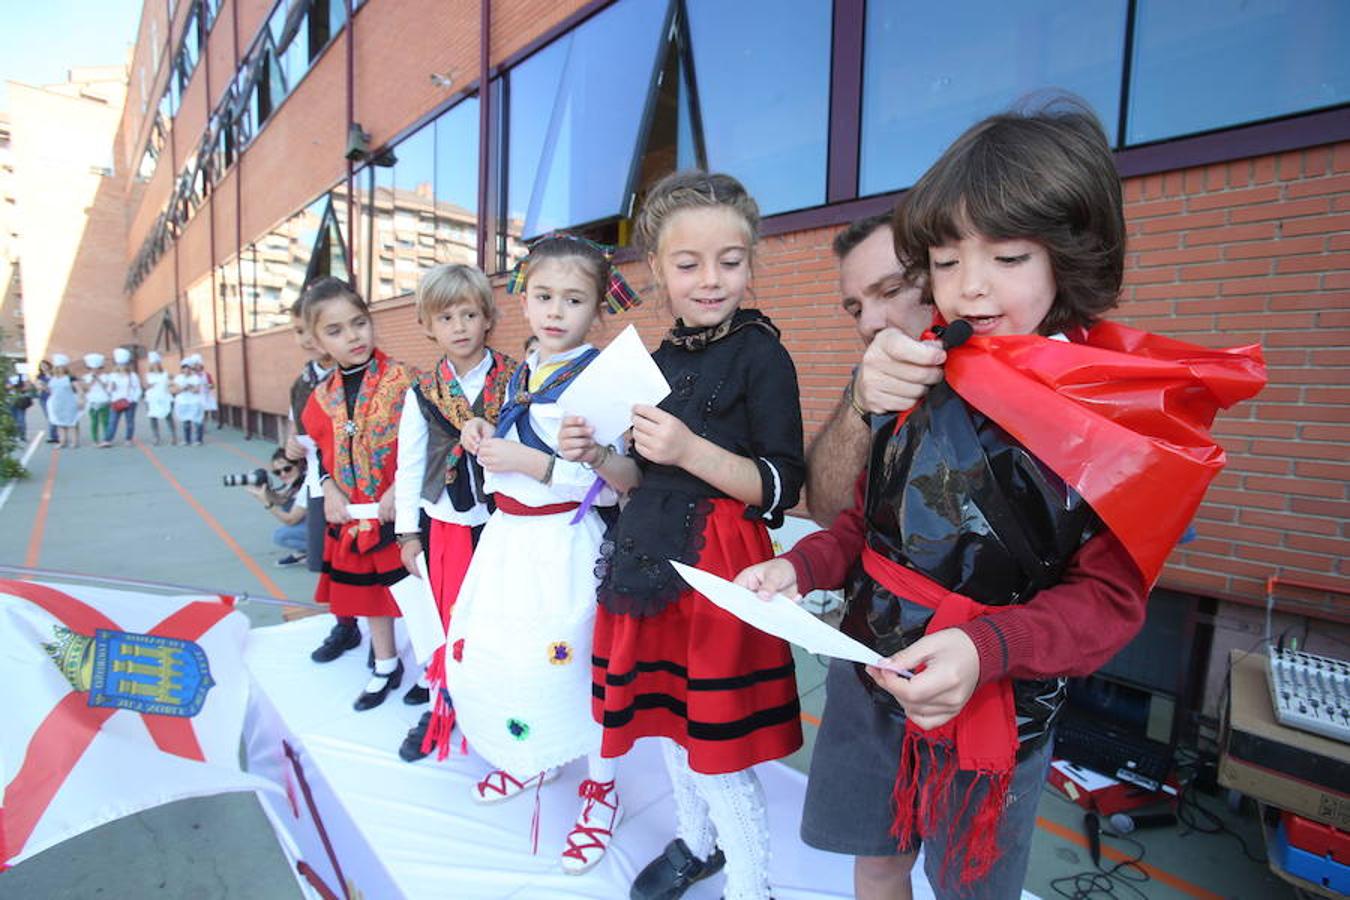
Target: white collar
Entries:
(480, 368)
(533, 360)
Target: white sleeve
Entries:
(412, 465)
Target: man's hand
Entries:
(775, 576)
(897, 371)
(946, 669)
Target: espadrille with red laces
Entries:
(589, 838)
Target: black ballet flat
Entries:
(673, 872)
(372, 699)
(417, 695)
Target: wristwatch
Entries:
(852, 397)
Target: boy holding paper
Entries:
(435, 476)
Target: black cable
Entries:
(1103, 881)
(1189, 807)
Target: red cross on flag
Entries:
(115, 702)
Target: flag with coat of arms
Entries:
(115, 701)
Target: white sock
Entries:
(383, 669)
(691, 812)
(423, 683)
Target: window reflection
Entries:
(1207, 64)
(574, 117)
(456, 188)
(765, 112)
(931, 71)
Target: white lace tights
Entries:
(727, 811)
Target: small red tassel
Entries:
(982, 850)
(534, 822)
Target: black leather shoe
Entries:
(411, 748)
(417, 695)
(342, 638)
(372, 699)
(672, 873)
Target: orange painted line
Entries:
(30, 559)
(1111, 853)
(810, 719)
(249, 563)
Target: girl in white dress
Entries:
(63, 403)
(519, 643)
(158, 397)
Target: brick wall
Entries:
(1256, 251)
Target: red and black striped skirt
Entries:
(694, 673)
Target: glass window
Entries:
(228, 321)
(190, 49)
(765, 113)
(326, 18)
(414, 209)
(379, 217)
(457, 184)
(1209, 64)
(575, 108)
(931, 71)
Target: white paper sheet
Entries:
(782, 618)
(623, 375)
(420, 616)
(363, 510)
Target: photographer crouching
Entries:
(281, 502)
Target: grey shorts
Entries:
(848, 795)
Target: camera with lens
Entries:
(251, 479)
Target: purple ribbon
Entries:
(589, 500)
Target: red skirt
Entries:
(696, 674)
(355, 583)
(448, 555)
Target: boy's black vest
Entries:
(951, 495)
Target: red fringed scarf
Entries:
(981, 738)
(1123, 417)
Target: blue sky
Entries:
(40, 40)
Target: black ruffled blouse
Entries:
(733, 384)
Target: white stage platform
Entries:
(411, 830)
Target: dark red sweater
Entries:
(1073, 628)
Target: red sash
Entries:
(981, 738)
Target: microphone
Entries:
(1124, 824)
(955, 334)
(1093, 826)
